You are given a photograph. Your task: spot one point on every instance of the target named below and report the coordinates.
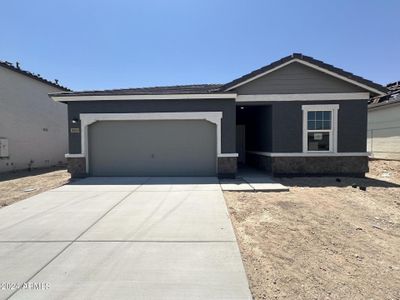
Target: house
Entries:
(297, 115)
(32, 127)
(384, 124)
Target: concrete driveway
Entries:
(122, 238)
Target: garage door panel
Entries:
(152, 148)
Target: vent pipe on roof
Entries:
(17, 65)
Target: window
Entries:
(319, 128)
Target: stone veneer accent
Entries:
(77, 167)
(227, 167)
(330, 165)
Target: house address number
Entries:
(75, 130)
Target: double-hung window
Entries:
(320, 128)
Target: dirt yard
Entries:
(19, 185)
(324, 239)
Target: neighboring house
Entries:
(32, 127)
(384, 124)
(295, 116)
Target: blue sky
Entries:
(95, 44)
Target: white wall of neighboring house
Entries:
(35, 125)
(384, 131)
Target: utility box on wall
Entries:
(3, 147)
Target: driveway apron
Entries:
(122, 238)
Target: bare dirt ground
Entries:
(324, 239)
(20, 185)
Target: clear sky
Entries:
(96, 44)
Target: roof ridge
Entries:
(10, 66)
(164, 86)
(169, 89)
(349, 74)
(153, 87)
(178, 85)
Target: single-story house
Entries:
(33, 128)
(384, 124)
(297, 115)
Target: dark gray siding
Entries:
(287, 125)
(287, 120)
(227, 107)
(353, 122)
(296, 78)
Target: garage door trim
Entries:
(87, 119)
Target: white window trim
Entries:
(88, 119)
(302, 97)
(238, 98)
(72, 155)
(333, 131)
(211, 96)
(228, 155)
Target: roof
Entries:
(307, 59)
(156, 90)
(224, 88)
(391, 97)
(37, 77)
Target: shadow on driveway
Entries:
(144, 181)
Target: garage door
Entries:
(152, 148)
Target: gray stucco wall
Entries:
(35, 125)
(297, 78)
(286, 125)
(384, 131)
(287, 120)
(227, 106)
(353, 123)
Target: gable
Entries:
(15, 83)
(16, 69)
(296, 78)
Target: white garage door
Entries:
(152, 148)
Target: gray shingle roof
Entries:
(157, 90)
(220, 88)
(10, 66)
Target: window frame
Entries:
(333, 108)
